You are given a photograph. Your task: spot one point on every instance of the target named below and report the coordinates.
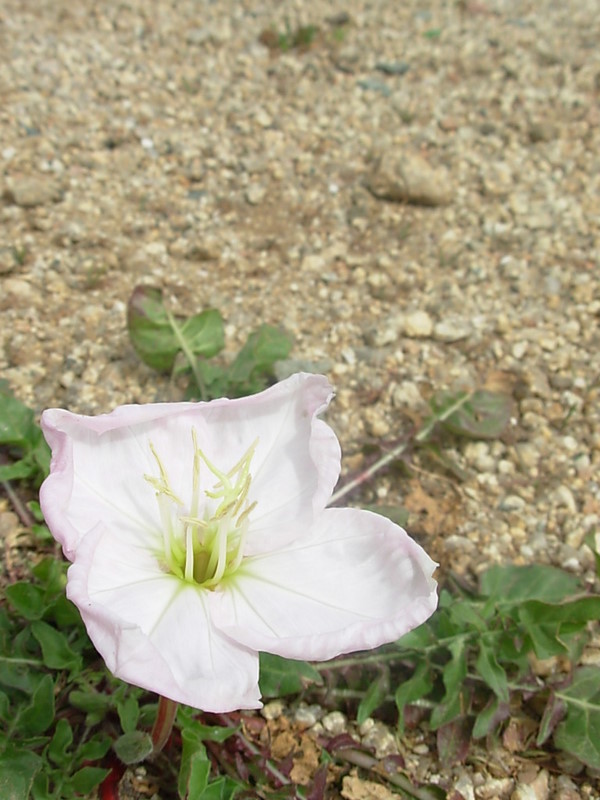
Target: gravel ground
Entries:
(414, 195)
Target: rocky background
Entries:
(412, 189)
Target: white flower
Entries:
(199, 536)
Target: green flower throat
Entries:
(204, 543)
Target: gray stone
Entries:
(452, 330)
(409, 178)
(418, 325)
(29, 192)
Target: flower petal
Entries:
(297, 459)
(155, 631)
(356, 581)
(99, 463)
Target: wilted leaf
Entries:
(490, 717)
(553, 713)
(453, 742)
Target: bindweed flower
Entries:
(199, 535)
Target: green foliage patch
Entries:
(183, 346)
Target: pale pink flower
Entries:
(199, 536)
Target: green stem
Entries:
(386, 459)
(163, 724)
(188, 353)
(368, 473)
(30, 662)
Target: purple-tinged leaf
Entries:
(453, 741)
(317, 790)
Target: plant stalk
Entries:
(188, 354)
(163, 724)
(386, 459)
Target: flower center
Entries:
(203, 543)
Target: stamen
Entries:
(189, 554)
(206, 544)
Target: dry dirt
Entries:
(411, 189)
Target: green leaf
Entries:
(95, 704)
(221, 789)
(557, 628)
(490, 670)
(214, 379)
(64, 613)
(197, 777)
(263, 348)
(465, 615)
(579, 732)
(374, 696)
(27, 599)
(41, 454)
(195, 766)
(56, 651)
(455, 701)
(86, 779)
(213, 733)
(129, 713)
(60, 743)
(133, 747)
(157, 336)
(477, 415)
(18, 430)
(18, 768)
(16, 419)
(512, 584)
(280, 676)
(52, 574)
(94, 749)
(415, 688)
(39, 714)
(577, 611)
(417, 639)
(17, 471)
(4, 707)
(16, 675)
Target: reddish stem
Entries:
(109, 788)
(163, 724)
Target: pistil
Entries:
(207, 544)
